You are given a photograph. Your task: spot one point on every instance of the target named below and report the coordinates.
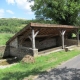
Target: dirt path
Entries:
(6, 66)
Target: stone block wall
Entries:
(20, 52)
(44, 43)
(25, 48)
(4, 51)
(69, 42)
(50, 42)
(14, 43)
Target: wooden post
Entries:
(62, 35)
(33, 39)
(62, 41)
(77, 37)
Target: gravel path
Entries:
(69, 70)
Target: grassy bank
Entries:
(42, 63)
(4, 37)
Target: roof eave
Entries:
(18, 33)
(39, 25)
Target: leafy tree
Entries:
(78, 21)
(61, 11)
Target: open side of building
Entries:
(36, 37)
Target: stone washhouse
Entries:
(36, 37)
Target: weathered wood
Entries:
(23, 37)
(62, 35)
(33, 38)
(39, 25)
(36, 33)
(27, 27)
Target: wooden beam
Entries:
(23, 37)
(36, 33)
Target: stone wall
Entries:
(14, 43)
(69, 42)
(20, 52)
(44, 43)
(2, 50)
(50, 42)
(25, 48)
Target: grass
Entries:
(42, 63)
(73, 35)
(4, 37)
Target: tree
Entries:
(61, 11)
(78, 21)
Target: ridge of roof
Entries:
(51, 25)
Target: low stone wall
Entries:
(20, 52)
(43, 43)
(4, 51)
(69, 42)
(50, 42)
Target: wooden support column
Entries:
(77, 37)
(62, 35)
(32, 38)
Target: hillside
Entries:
(10, 26)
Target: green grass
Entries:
(4, 37)
(42, 63)
(73, 35)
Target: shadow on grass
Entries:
(54, 74)
(61, 74)
(21, 75)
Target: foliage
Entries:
(61, 11)
(78, 21)
(42, 63)
(12, 25)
